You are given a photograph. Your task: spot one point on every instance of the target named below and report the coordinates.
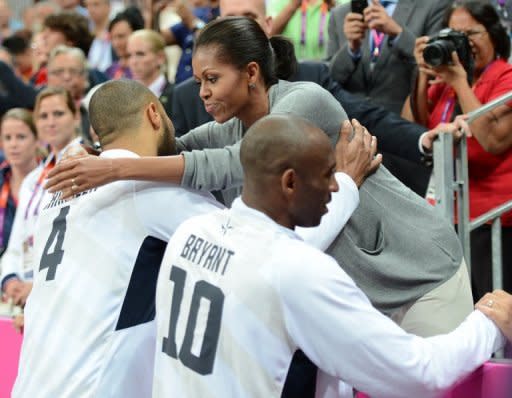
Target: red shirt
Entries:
(490, 176)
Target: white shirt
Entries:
(157, 87)
(245, 293)
(89, 320)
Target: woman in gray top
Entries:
(396, 248)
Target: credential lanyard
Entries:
(304, 20)
(378, 38)
(4, 198)
(38, 186)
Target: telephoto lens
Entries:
(438, 53)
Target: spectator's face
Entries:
(18, 142)
(68, 4)
(143, 62)
(481, 44)
(5, 14)
(39, 49)
(254, 9)
(119, 35)
(55, 122)
(99, 10)
(68, 72)
(53, 38)
(224, 89)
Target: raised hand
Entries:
(354, 30)
(377, 18)
(79, 174)
(356, 152)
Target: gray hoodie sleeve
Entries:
(211, 153)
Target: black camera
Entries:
(440, 47)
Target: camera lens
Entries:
(438, 53)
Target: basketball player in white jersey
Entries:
(239, 292)
(89, 320)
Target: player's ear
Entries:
(288, 183)
(153, 116)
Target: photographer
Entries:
(449, 89)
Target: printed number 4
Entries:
(202, 364)
(53, 259)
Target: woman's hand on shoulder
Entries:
(76, 175)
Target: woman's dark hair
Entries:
(131, 15)
(73, 26)
(485, 13)
(240, 40)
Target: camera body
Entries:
(440, 47)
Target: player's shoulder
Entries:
(207, 221)
(172, 196)
(287, 88)
(205, 225)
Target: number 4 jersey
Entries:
(89, 320)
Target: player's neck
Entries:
(269, 209)
(140, 147)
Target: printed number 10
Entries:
(202, 364)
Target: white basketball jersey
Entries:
(238, 294)
(214, 278)
(90, 327)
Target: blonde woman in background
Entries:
(146, 60)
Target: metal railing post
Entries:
(462, 190)
(497, 272)
(443, 175)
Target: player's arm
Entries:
(336, 326)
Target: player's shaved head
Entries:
(288, 164)
(117, 107)
(273, 144)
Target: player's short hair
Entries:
(117, 106)
(275, 143)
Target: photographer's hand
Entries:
(454, 75)
(419, 47)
